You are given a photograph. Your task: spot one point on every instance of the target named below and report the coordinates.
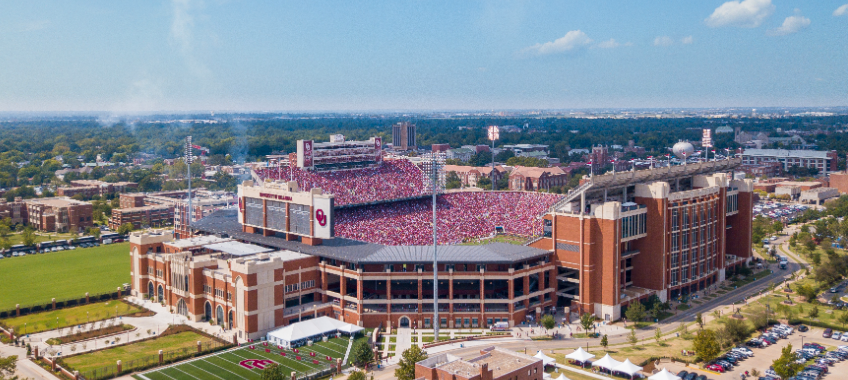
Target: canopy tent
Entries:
(562, 377)
(627, 367)
(299, 333)
(606, 362)
(664, 375)
(546, 360)
(580, 355)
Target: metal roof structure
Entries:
(225, 224)
(236, 248)
(785, 153)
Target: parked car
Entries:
(803, 328)
(836, 335)
(827, 333)
(716, 368)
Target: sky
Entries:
(193, 55)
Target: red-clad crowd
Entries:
(394, 179)
(461, 217)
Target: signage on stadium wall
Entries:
(304, 153)
(275, 196)
(707, 138)
(322, 217)
(378, 148)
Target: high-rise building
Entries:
(403, 136)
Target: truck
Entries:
(783, 264)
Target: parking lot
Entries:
(763, 358)
(778, 210)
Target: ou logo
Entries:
(255, 363)
(321, 217)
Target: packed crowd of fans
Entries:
(461, 217)
(394, 179)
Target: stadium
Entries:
(356, 245)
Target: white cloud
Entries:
(792, 24)
(744, 14)
(841, 11)
(609, 44)
(663, 41)
(571, 41)
(182, 35)
(687, 40)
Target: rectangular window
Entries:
(674, 257)
(674, 220)
(685, 257)
(685, 240)
(685, 218)
(674, 246)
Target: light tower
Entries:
(433, 169)
(494, 134)
(189, 158)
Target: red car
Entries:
(716, 368)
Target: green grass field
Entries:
(129, 352)
(36, 279)
(17, 238)
(226, 365)
(72, 316)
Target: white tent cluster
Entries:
(298, 334)
(607, 362)
(664, 375)
(546, 360)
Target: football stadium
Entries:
(354, 242)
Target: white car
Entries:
(836, 335)
(844, 338)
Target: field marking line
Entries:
(195, 366)
(189, 361)
(143, 377)
(188, 374)
(210, 362)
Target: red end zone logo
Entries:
(321, 217)
(256, 363)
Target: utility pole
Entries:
(435, 164)
(494, 134)
(188, 159)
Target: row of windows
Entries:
(634, 225)
(680, 241)
(696, 254)
(700, 215)
(692, 273)
(303, 285)
(732, 203)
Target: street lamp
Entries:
(802, 341)
(494, 134)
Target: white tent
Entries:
(580, 355)
(606, 362)
(562, 377)
(664, 375)
(299, 333)
(546, 360)
(627, 367)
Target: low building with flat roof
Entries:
(492, 364)
(59, 214)
(818, 195)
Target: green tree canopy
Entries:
(785, 365)
(706, 345)
(361, 353)
(406, 366)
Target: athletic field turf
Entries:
(247, 363)
(36, 279)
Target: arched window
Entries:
(182, 309)
(161, 293)
(207, 311)
(150, 289)
(220, 314)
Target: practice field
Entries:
(71, 316)
(36, 279)
(247, 363)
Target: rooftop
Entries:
(56, 202)
(197, 241)
(786, 153)
(225, 223)
(237, 248)
(499, 361)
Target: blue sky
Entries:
(119, 56)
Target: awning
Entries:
(606, 362)
(627, 367)
(664, 375)
(580, 355)
(546, 360)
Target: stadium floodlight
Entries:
(494, 134)
(189, 159)
(434, 170)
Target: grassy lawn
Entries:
(752, 278)
(571, 375)
(17, 238)
(517, 240)
(126, 353)
(72, 316)
(430, 338)
(36, 279)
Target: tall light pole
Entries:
(435, 165)
(189, 158)
(494, 134)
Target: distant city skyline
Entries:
(191, 55)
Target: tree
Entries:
(737, 329)
(94, 231)
(635, 312)
(632, 337)
(406, 366)
(658, 336)
(843, 319)
(273, 372)
(125, 228)
(604, 342)
(452, 181)
(8, 365)
(785, 365)
(587, 321)
(356, 375)
(814, 312)
(28, 236)
(361, 353)
(706, 345)
(548, 321)
(700, 319)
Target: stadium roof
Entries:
(786, 153)
(225, 223)
(237, 248)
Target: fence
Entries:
(152, 361)
(63, 303)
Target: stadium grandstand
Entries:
(391, 181)
(462, 216)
